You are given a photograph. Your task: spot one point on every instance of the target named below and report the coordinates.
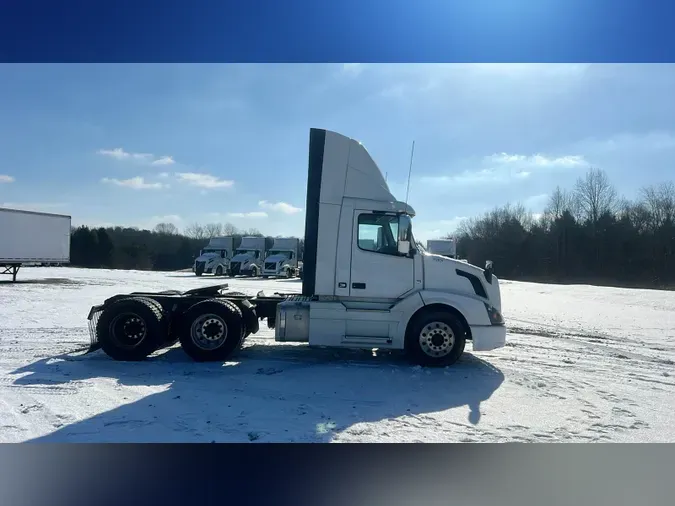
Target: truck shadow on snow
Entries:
(277, 393)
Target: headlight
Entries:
(495, 316)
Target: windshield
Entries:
(287, 254)
(251, 252)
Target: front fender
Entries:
(472, 309)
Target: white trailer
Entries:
(365, 284)
(29, 237)
(248, 257)
(215, 257)
(282, 259)
(443, 247)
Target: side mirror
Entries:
(404, 247)
(488, 271)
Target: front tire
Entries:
(219, 271)
(212, 330)
(436, 339)
(132, 329)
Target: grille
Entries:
(270, 266)
(234, 268)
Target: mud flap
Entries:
(94, 314)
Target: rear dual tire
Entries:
(131, 329)
(212, 330)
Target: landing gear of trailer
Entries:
(11, 269)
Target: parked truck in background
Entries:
(215, 257)
(365, 284)
(29, 237)
(248, 257)
(282, 259)
(444, 247)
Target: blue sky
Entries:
(140, 144)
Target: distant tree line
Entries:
(164, 248)
(586, 234)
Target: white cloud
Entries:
(164, 160)
(136, 183)
(6, 179)
(468, 177)
(279, 207)
(504, 167)
(203, 180)
(120, 154)
(538, 160)
(253, 214)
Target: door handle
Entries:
(359, 286)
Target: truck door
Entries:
(377, 269)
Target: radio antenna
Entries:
(412, 153)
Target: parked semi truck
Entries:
(444, 247)
(215, 257)
(248, 257)
(29, 237)
(387, 295)
(282, 259)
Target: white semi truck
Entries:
(248, 257)
(443, 247)
(282, 259)
(29, 237)
(215, 257)
(365, 284)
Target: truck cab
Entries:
(282, 259)
(215, 257)
(365, 282)
(248, 257)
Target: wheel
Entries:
(253, 272)
(131, 329)
(436, 339)
(211, 330)
(219, 271)
(247, 331)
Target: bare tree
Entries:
(166, 228)
(660, 202)
(213, 230)
(595, 195)
(195, 231)
(560, 201)
(229, 229)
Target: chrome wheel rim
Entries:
(208, 331)
(437, 339)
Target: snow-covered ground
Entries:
(581, 364)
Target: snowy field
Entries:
(582, 364)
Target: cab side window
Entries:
(378, 233)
